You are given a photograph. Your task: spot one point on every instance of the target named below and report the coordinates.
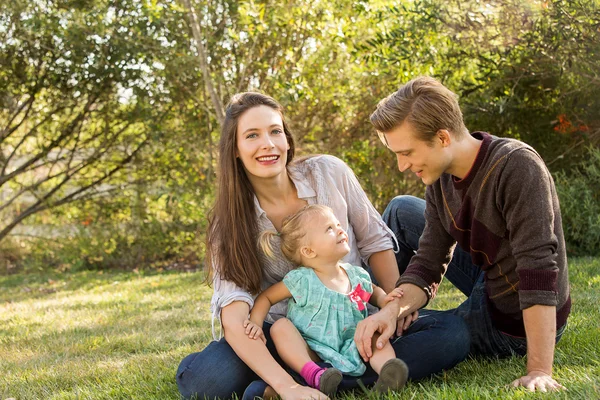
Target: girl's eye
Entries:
(329, 228)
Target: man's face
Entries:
(426, 160)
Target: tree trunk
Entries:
(202, 58)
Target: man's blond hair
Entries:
(424, 103)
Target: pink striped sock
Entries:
(311, 373)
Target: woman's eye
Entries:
(251, 136)
(277, 132)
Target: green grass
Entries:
(117, 335)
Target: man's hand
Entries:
(254, 331)
(383, 322)
(538, 380)
(404, 323)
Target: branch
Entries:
(65, 133)
(202, 58)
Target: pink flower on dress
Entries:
(359, 296)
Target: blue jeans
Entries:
(405, 216)
(437, 341)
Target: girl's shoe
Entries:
(330, 381)
(393, 376)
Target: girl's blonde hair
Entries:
(293, 230)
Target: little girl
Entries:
(328, 300)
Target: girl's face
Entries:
(327, 239)
(261, 143)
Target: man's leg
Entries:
(216, 371)
(405, 216)
(437, 341)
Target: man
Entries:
(497, 200)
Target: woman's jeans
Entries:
(437, 341)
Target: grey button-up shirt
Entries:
(323, 180)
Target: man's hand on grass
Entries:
(538, 380)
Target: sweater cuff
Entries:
(538, 287)
(418, 276)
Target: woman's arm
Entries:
(385, 268)
(256, 356)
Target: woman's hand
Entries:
(299, 392)
(254, 331)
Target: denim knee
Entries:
(405, 207)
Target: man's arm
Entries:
(540, 328)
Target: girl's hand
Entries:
(254, 331)
(394, 294)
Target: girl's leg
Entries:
(291, 346)
(380, 357)
(294, 351)
(392, 371)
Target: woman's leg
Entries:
(405, 216)
(217, 371)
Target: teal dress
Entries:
(327, 319)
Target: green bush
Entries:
(579, 194)
(151, 244)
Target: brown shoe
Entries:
(393, 376)
(329, 381)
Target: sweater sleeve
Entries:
(436, 247)
(526, 192)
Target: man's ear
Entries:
(444, 137)
(307, 252)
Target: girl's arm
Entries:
(266, 300)
(379, 298)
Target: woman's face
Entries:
(261, 143)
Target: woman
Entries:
(259, 186)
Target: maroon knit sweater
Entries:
(506, 214)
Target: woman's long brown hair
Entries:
(231, 240)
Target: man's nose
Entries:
(403, 165)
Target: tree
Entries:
(77, 103)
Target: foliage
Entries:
(579, 193)
(107, 129)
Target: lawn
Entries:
(121, 335)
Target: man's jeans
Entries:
(405, 215)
